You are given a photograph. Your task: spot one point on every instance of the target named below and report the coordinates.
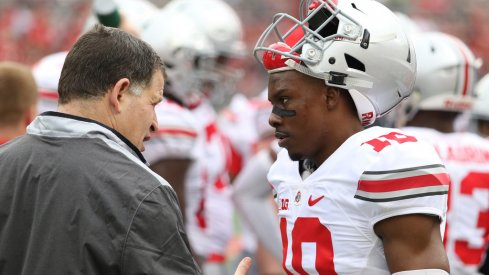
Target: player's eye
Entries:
(284, 100)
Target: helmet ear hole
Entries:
(354, 63)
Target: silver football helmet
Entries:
(222, 26)
(356, 45)
(218, 21)
(447, 72)
(186, 52)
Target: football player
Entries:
(351, 200)
(246, 122)
(190, 56)
(444, 88)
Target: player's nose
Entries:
(274, 120)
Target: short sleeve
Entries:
(406, 177)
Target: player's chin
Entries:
(295, 156)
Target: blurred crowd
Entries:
(31, 29)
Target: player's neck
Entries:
(306, 168)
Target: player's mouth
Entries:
(282, 138)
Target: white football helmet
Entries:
(218, 21)
(481, 105)
(447, 73)
(356, 45)
(221, 24)
(185, 50)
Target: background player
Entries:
(18, 97)
(193, 54)
(447, 73)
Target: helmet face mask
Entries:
(222, 27)
(317, 28)
(350, 44)
(220, 76)
(187, 54)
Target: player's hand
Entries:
(243, 266)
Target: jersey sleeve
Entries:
(176, 136)
(405, 177)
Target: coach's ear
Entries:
(118, 93)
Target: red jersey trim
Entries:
(47, 94)
(176, 132)
(381, 186)
(403, 183)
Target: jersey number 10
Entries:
(308, 230)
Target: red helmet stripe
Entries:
(295, 36)
(273, 60)
(317, 3)
(466, 73)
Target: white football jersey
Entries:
(466, 157)
(244, 122)
(237, 123)
(327, 219)
(210, 209)
(176, 137)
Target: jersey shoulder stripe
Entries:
(176, 132)
(392, 185)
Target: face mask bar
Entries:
(217, 79)
(311, 10)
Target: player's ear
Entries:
(331, 96)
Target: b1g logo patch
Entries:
(284, 204)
